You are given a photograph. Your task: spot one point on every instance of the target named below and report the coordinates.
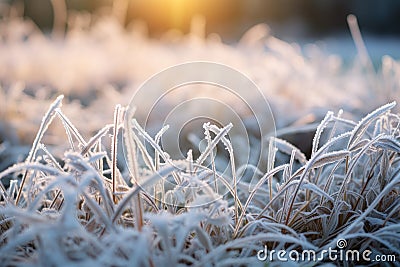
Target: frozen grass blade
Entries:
(114, 147)
(60, 17)
(319, 131)
(70, 128)
(133, 168)
(135, 192)
(229, 147)
(358, 40)
(157, 140)
(289, 149)
(92, 142)
(214, 142)
(46, 121)
(395, 181)
(253, 192)
(150, 140)
(362, 126)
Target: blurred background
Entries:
(231, 18)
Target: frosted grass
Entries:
(74, 214)
(74, 200)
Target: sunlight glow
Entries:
(162, 15)
(178, 8)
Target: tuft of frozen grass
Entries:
(80, 211)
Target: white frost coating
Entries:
(67, 215)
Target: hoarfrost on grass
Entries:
(75, 201)
(74, 214)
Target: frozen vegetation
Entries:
(70, 197)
